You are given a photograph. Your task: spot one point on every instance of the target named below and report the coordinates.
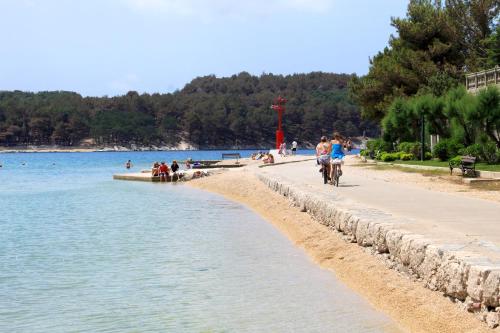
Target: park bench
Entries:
(467, 164)
(231, 155)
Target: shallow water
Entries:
(80, 252)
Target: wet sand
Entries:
(408, 303)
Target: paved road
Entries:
(460, 222)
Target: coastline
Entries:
(408, 303)
(98, 149)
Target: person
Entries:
(188, 163)
(294, 147)
(163, 172)
(323, 150)
(174, 166)
(155, 170)
(269, 159)
(282, 149)
(349, 145)
(337, 152)
(128, 165)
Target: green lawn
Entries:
(479, 166)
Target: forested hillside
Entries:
(207, 112)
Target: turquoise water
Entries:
(80, 252)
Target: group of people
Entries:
(163, 171)
(267, 158)
(283, 151)
(329, 152)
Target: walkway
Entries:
(454, 221)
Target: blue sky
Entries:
(107, 47)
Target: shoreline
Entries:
(118, 149)
(408, 303)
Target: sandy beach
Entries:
(409, 303)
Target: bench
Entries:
(231, 155)
(467, 164)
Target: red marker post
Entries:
(279, 105)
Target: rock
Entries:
(493, 319)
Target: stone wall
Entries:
(468, 279)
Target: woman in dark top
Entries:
(174, 167)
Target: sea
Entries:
(81, 252)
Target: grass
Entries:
(426, 173)
(433, 163)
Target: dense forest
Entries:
(415, 86)
(208, 112)
(435, 45)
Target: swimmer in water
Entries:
(128, 165)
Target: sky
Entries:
(108, 47)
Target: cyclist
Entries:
(323, 151)
(336, 152)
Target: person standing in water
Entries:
(128, 165)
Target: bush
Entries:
(456, 160)
(411, 148)
(405, 147)
(440, 150)
(389, 157)
(446, 148)
(473, 150)
(378, 145)
(490, 153)
(427, 155)
(406, 157)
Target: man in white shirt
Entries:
(294, 147)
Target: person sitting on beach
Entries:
(155, 169)
(269, 159)
(337, 152)
(163, 172)
(174, 166)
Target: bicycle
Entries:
(324, 161)
(336, 171)
(326, 172)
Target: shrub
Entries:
(364, 152)
(427, 155)
(490, 153)
(411, 148)
(440, 150)
(405, 147)
(456, 160)
(389, 157)
(378, 155)
(378, 145)
(406, 157)
(472, 150)
(446, 148)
